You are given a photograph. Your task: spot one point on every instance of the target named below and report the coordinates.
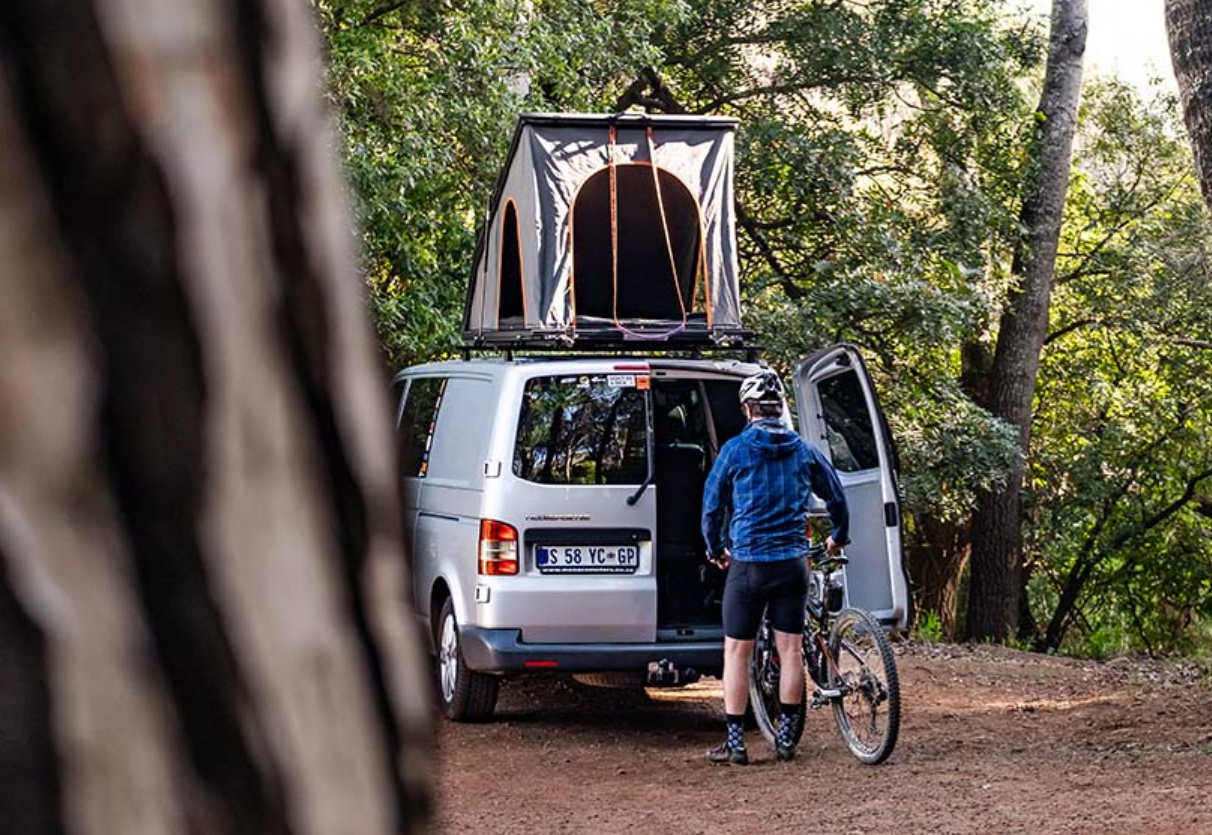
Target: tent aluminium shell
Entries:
(610, 228)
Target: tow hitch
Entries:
(663, 674)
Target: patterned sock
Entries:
(736, 731)
(790, 723)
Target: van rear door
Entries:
(839, 413)
(576, 484)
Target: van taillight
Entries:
(498, 548)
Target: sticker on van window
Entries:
(620, 381)
(641, 383)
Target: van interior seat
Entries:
(680, 476)
(680, 481)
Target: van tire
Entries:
(463, 695)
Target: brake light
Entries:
(635, 366)
(498, 548)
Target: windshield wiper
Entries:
(648, 449)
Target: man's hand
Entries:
(831, 547)
(722, 561)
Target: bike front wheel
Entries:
(862, 671)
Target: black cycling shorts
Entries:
(751, 587)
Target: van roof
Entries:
(557, 362)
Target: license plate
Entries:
(587, 559)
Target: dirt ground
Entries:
(992, 741)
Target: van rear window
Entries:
(848, 427)
(587, 429)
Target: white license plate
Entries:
(587, 559)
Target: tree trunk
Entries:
(938, 552)
(1189, 28)
(202, 594)
(995, 581)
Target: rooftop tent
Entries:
(615, 227)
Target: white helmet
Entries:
(763, 387)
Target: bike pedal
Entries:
(820, 698)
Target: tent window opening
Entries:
(646, 287)
(512, 301)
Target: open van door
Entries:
(839, 414)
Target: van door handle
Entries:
(891, 518)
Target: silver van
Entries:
(553, 506)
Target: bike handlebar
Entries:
(818, 556)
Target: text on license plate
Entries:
(587, 559)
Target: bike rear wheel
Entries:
(764, 669)
(863, 670)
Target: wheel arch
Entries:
(437, 597)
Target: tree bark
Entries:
(1189, 29)
(202, 592)
(995, 568)
(938, 553)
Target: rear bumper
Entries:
(501, 651)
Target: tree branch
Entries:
(783, 89)
(793, 290)
(1083, 268)
(1069, 328)
(651, 92)
(381, 12)
(1089, 556)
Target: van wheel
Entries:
(464, 695)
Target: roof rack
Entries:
(695, 348)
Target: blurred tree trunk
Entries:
(202, 593)
(1189, 28)
(995, 579)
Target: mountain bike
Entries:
(847, 660)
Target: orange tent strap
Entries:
(614, 248)
(656, 182)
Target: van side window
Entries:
(581, 430)
(848, 423)
(417, 421)
(460, 442)
(397, 396)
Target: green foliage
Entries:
(426, 94)
(1124, 406)
(929, 628)
(881, 156)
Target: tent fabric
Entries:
(545, 263)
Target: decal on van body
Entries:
(560, 517)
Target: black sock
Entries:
(736, 730)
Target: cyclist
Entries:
(764, 478)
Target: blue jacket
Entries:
(765, 476)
